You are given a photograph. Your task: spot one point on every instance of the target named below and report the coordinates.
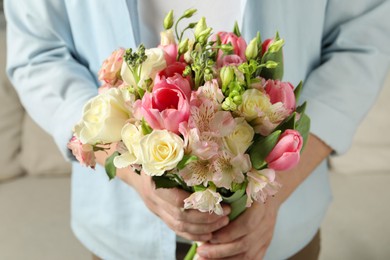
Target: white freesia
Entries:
(103, 118)
(167, 37)
(161, 151)
(241, 137)
(154, 63)
(131, 136)
(205, 201)
(254, 104)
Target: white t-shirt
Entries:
(220, 15)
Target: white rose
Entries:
(241, 137)
(254, 104)
(161, 151)
(131, 137)
(103, 118)
(154, 63)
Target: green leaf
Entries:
(302, 108)
(235, 196)
(303, 127)
(262, 147)
(146, 129)
(110, 167)
(236, 29)
(164, 182)
(288, 123)
(186, 160)
(238, 207)
(297, 91)
(273, 73)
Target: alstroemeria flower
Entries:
(205, 201)
(83, 152)
(230, 169)
(261, 184)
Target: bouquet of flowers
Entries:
(207, 114)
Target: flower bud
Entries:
(183, 46)
(228, 104)
(204, 35)
(252, 50)
(200, 27)
(168, 20)
(189, 13)
(271, 64)
(227, 75)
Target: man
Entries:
(340, 50)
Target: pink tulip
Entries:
(286, 153)
(266, 44)
(238, 43)
(168, 105)
(170, 52)
(283, 92)
(227, 60)
(174, 73)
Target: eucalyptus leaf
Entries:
(262, 147)
(110, 167)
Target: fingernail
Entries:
(225, 221)
(226, 211)
(202, 251)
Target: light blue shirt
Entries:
(340, 48)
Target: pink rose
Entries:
(283, 92)
(83, 152)
(286, 153)
(110, 70)
(168, 104)
(238, 43)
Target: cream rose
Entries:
(254, 104)
(131, 136)
(161, 151)
(154, 63)
(103, 118)
(241, 137)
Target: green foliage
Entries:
(164, 182)
(262, 147)
(110, 167)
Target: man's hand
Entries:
(168, 205)
(247, 237)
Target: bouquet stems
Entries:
(237, 203)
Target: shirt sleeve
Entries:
(52, 84)
(354, 63)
